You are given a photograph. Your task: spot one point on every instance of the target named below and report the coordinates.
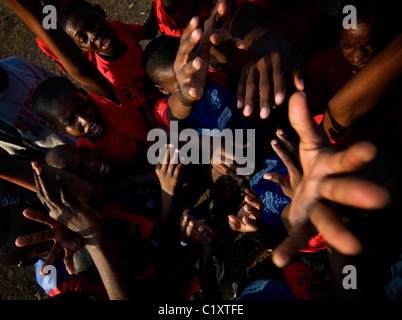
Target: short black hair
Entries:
(159, 56)
(48, 90)
(72, 6)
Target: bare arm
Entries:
(366, 89)
(20, 172)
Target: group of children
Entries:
(78, 190)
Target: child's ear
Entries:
(99, 9)
(162, 89)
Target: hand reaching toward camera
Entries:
(249, 216)
(63, 239)
(327, 175)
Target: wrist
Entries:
(184, 100)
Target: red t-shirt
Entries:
(125, 130)
(174, 26)
(127, 73)
(327, 73)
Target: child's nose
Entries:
(358, 55)
(93, 36)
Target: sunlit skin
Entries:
(357, 45)
(79, 161)
(91, 32)
(74, 112)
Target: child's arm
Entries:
(270, 58)
(168, 170)
(71, 57)
(151, 25)
(191, 71)
(364, 91)
(206, 237)
(20, 172)
(89, 226)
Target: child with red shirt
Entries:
(113, 47)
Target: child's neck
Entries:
(118, 51)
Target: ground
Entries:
(239, 252)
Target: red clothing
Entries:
(174, 26)
(327, 73)
(124, 127)
(126, 73)
(160, 110)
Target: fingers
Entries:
(251, 92)
(298, 237)
(283, 154)
(353, 158)
(45, 190)
(234, 224)
(297, 72)
(38, 216)
(354, 192)
(265, 84)
(327, 221)
(279, 77)
(69, 261)
(51, 257)
(302, 121)
(34, 238)
(184, 219)
(252, 199)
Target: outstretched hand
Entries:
(249, 216)
(197, 231)
(327, 175)
(289, 154)
(63, 207)
(265, 72)
(63, 239)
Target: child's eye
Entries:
(346, 46)
(84, 38)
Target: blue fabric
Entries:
(48, 282)
(270, 193)
(216, 110)
(265, 289)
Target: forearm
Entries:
(119, 281)
(366, 89)
(76, 64)
(20, 172)
(207, 275)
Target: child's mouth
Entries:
(95, 129)
(105, 43)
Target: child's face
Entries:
(84, 163)
(356, 45)
(75, 113)
(91, 32)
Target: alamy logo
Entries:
(350, 21)
(350, 280)
(50, 21)
(49, 281)
(211, 146)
